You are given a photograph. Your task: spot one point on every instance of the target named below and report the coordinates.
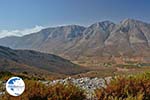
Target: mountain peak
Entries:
(103, 23)
(129, 21)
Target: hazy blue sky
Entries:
(20, 14)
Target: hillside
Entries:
(35, 62)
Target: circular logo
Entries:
(15, 86)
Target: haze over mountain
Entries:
(7, 33)
(102, 39)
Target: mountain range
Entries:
(101, 40)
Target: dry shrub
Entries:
(126, 88)
(38, 91)
(66, 92)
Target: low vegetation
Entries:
(38, 91)
(135, 87)
(129, 87)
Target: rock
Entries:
(85, 83)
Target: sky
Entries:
(21, 16)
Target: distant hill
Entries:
(129, 38)
(35, 62)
